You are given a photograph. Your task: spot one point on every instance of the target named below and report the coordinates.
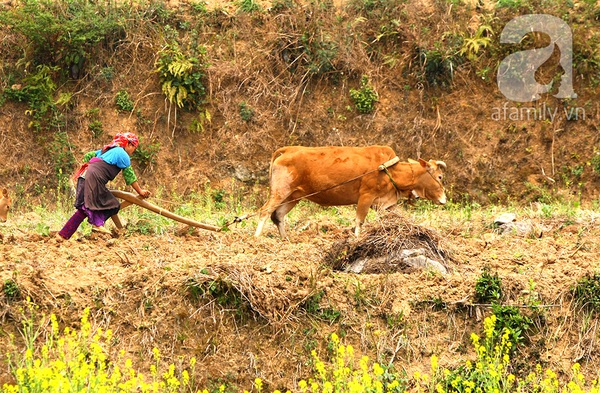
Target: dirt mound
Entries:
(393, 244)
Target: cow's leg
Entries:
(278, 216)
(362, 209)
(269, 209)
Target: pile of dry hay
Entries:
(386, 246)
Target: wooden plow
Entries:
(131, 199)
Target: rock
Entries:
(422, 262)
(242, 173)
(414, 258)
(356, 266)
(519, 228)
(505, 218)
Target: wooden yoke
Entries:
(130, 199)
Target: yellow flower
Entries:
(258, 383)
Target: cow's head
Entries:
(429, 185)
(5, 203)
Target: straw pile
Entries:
(391, 245)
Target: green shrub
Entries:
(145, 154)
(249, 6)
(319, 52)
(511, 319)
(246, 112)
(64, 33)
(364, 98)
(37, 90)
(488, 288)
(595, 162)
(437, 66)
(123, 101)
(11, 289)
(587, 291)
(182, 77)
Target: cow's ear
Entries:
(5, 192)
(423, 163)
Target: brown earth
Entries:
(139, 285)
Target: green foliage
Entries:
(37, 90)
(246, 112)
(145, 154)
(197, 124)
(480, 40)
(249, 6)
(182, 77)
(64, 33)
(123, 101)
(587, 291)
(595, 163)
(437, 67)
(218, 197)
(511, 319)
(11, 289)
(198, 7)
(508, 3)
(319, 52)
(488, 288)
(312, 305)
(364, 98)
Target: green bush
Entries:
(587, 291)
(246, 112)
(11, 289)
(182, 77)
(488, 288)
(249, 6)
(511, 319)
(123, 101)
(64, 33)
(37, 90)
(364, 98)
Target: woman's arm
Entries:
(141, 192)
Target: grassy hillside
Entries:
(213, 90)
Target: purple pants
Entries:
(71, 226)
(94, 218)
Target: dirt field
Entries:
(140, 286)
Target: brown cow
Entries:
(334, 176)
(5, 202)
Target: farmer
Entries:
(93, 199)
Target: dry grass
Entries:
(383, 243)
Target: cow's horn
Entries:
(441, 163)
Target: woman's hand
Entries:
(144, 193)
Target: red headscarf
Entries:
(122, 140)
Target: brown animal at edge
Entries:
(324, 175)
(5, 203)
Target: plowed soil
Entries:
(276, 300)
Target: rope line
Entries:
(382, 167)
